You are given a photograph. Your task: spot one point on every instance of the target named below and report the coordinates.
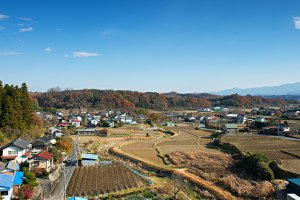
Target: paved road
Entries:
(64, 179)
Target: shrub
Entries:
(38, 172)
(258, 165)
(30, 177)
(27, 191)
(103, 131)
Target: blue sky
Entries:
(149, 45)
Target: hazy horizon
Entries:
(160, 46)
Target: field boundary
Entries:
(220, 193)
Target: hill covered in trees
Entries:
(109, 99)
(17, 112)
(16, 107)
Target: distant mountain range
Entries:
(280, 90)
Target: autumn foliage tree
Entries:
(110, 99)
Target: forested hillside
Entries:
(16, 108)
(109, 99)
(17, 113)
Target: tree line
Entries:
(16, 107)
(110, 99)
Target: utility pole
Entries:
(65, 183)
(278, 128)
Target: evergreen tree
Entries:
(1, 98)
(27, 106)
(16, 107)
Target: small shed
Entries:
(89, 159)
(230, 128)
(293, 186)
(86, 131)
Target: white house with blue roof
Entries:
(10, 179)
(6, 186)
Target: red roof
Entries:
(45, 155)
(27, 153)
(76, 120)
(9, 157)
(62, 124)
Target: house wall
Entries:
(20, 158)
(76, 124)
(9, 196)
(44, 164)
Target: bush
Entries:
(103, 131)
(38, 172)
(197, 128)
(30, 177)
(258, 165)
(27, 191)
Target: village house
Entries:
(18, 150)
(43, 160)
(76, 123)
(10, 179)
(230, 128)
(6, 186)
(108, 124)
(43, 144)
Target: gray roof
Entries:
(23, 144)
(86, 130)
(47, 138)
(12, 166)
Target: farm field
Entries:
(272, 147)
(186, 139)
(261, 143)
(102, 180)
(116, 135)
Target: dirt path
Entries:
(218, 192)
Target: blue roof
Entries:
(296, 181)
(77, 198)
(18, 178)
(89, 156)
(6, 181)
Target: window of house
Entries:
(4, 193)
(12, 152)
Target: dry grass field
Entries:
(218, 169)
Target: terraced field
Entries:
(152, 150)
(287, 151)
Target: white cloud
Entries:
(82, 54)
(9, 53)
(2, 17)
(297, 22)
(25, 19)
(107, 32)
(48, 50)
(28, 29)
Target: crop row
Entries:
(98, 180)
